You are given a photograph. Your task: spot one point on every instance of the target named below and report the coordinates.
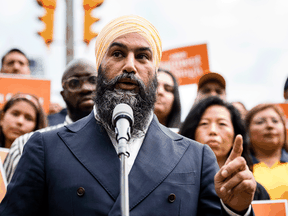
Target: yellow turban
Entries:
(124, 25)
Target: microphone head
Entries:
(122, 110)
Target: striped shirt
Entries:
(17, 146)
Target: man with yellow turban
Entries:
(75, 170)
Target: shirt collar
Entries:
(283, 159)
(68, 120)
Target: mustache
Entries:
(110, 84)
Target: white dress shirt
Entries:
(133, 147)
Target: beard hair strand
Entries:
(142, 103)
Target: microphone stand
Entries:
(124, 190)
(122, 119)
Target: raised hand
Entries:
(234, 182)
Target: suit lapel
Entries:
(91, 145)
(156, 159)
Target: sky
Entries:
(247, 40)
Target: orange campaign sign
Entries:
(270, 207)
(10, 85)
(3, 183)
(284, 106)
(3, 154)
(188, 64)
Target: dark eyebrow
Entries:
(145, 49)
(117, 44)
(124, 46)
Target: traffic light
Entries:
(89, 5)
(48, 19)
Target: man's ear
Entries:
(63, 94)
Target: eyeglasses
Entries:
(74, 84)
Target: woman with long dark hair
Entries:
(216, 123)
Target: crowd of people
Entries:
(215, 122)
(215, 162)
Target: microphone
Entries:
(122, 120)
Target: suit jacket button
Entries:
(171, 197)
(80, 191)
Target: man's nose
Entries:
(16, 66)
(213, 93)
(129, 66)
(86, 86)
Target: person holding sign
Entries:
(75, 170)
(78, 83)
(15, 62)
(21, 114)
(218, 124)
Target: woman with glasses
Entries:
(266, 124)
(21, 114)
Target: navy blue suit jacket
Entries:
(57, 118)
(75, 170)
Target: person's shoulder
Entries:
(178, 137)
(81, 123)
(57, 118)
(284, 156)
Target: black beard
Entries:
(142, 102)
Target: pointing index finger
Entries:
(236, 150)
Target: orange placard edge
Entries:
(2, 178)
(272, 201)
(6, 150)
(22, 76)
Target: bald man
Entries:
(75, 170)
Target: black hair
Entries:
(286, 85)
(11, 51)
(192, 120)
